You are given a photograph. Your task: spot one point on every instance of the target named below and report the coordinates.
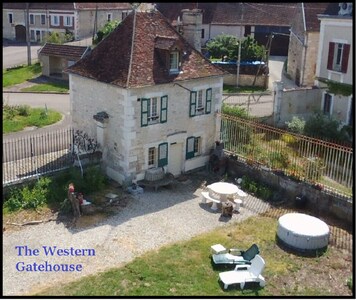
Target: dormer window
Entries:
(174, 62)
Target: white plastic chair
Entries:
(245, 273)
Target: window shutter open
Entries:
(164, 104)
(345, 58)
(144, 111)
(190, 147)
(162, 154)
(192, 106)
(208, 101)
(331, 56)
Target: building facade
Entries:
(79, 19)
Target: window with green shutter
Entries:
(189, 153)
(208, 101)
(193, 101)
(164, 106)
(162, 154)
(144, 111)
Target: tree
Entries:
(58, 37)
(105, 31)
(228, 45)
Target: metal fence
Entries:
(36, 154)
(302, 158)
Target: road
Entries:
(15, 55)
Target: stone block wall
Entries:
(319, 201)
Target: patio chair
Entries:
(245, 257)
(245, 273)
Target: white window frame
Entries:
(200, 102)
(53, 18)
(338, 54)
(33, 35)
(197, 146)
(153, 109)
(174, 61)
(44, 18)
(10, 17)
(152, 157)
(33, 19)
(66, 23)
(109, 17)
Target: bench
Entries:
(166, 179)
(206, 196)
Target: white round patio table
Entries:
(223, 190)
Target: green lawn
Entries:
(48, 87)
(185, 269)
(19, 75)
(13, 121)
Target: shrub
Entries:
(288, 138)
(296, 125)
(350, 283)
(23, 110)
(235, 111)
(31, 196)
(279, 159)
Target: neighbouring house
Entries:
(334, 64)
(80, 19)
(148, 97)
(55, 58)
(304, 41)
(240, 19)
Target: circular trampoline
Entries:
(303, 233)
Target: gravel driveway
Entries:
(149, 221)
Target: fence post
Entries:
(277, 100)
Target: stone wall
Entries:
(319, 201)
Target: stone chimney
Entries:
(192, 24)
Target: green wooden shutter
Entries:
(164, 106)
(189, 153)
(162, 154)
(144, 111)
(193, 102)
(208, 101)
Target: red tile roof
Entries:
(269, 13)
(68, 51)
(128, 63)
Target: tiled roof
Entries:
(269, 14)
(311, 11)
(68, 51)
(128, 63)
(67, 5)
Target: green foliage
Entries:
(228, 45)
(324, 127)
(31, 196)
(16, 118)
(296, 125)
(58, 87)
(279, 159)
(288, 138)
(54, 190)
(223, 45)
(235, 111)
(350, 283)
(20, 74)
(231, 89)
(261, 191)
(105, 31)
(337, 88)
(58, 37)
(314, 168)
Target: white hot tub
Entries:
(302, 232)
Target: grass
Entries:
(243, 89)
(185, 269)
(19, 75)
(37, 117)
(48, 87)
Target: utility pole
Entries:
(238, 63)
(28, 34)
